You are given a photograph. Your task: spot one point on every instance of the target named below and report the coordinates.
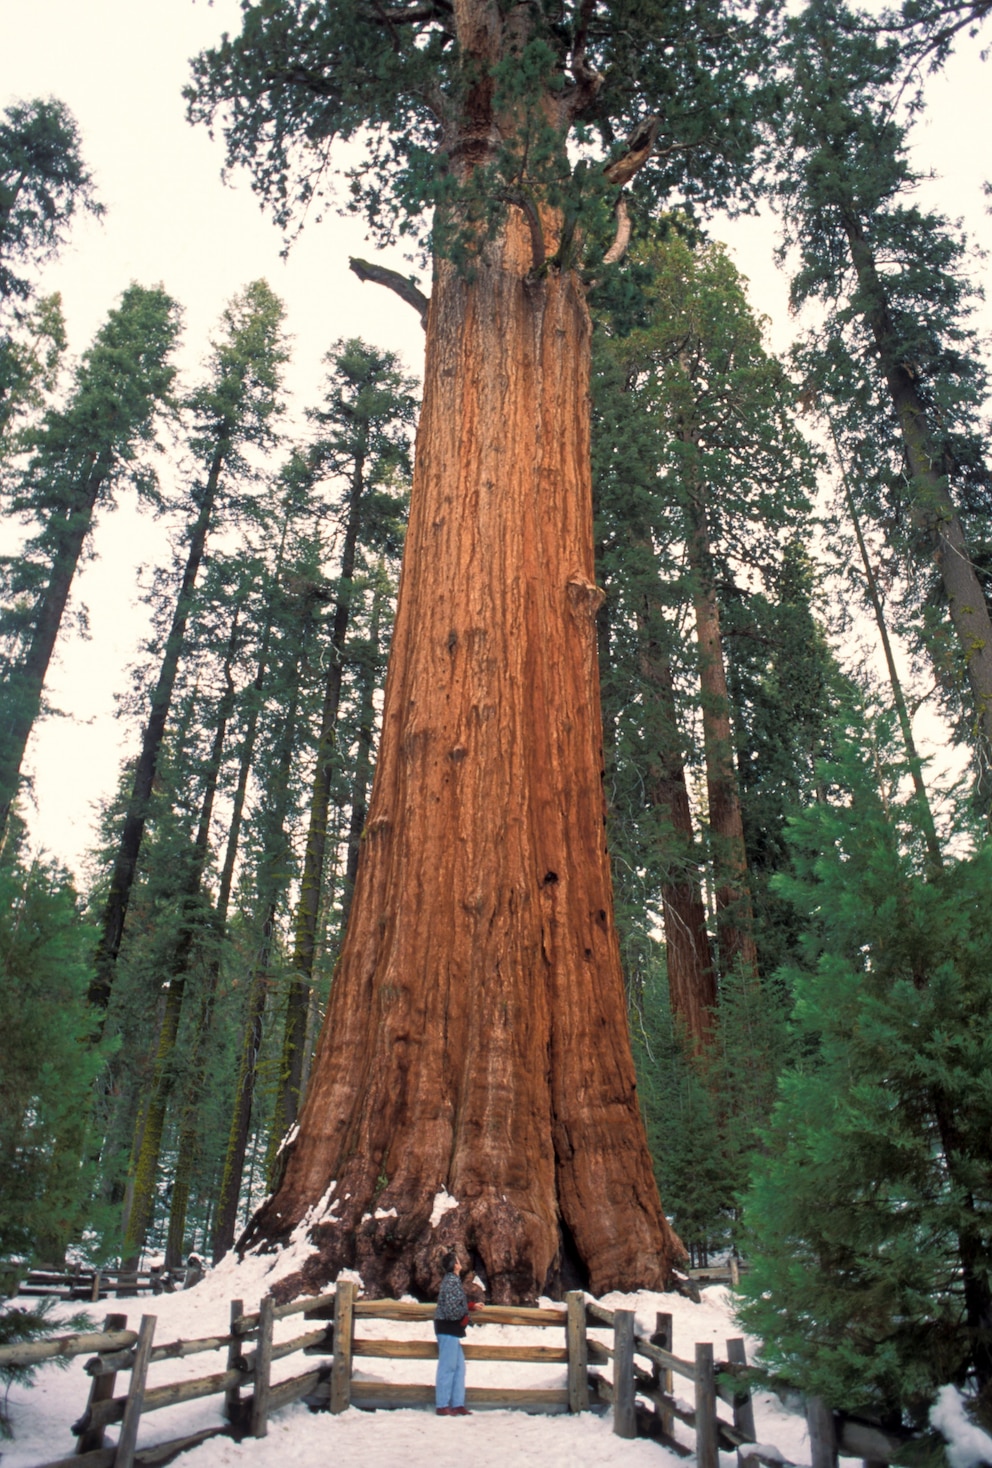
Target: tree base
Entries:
(396, 1258)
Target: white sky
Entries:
(120, 65)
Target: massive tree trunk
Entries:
(476, 1043)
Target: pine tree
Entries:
(363, 443)
(896, 350)
(82, 455)
(47, 1065)
(231, 411)
(43, 183)
(869, 1209)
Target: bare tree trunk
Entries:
(735, 921)
(476, 1041)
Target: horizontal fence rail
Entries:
(639, 1388)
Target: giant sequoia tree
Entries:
(476, 1039)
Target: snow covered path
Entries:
(298, 1438)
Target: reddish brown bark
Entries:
(476, 1037)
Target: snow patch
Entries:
(967, 1444)
(386, 1213)
(443, 1203)
(290, 1136)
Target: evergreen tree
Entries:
(895, 351)
(363, 443)
(82, 455)
(868, 1215)
(704, 473)
(47, 1064)
(235, 408)
(43, 181)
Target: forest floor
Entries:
(42, 1414)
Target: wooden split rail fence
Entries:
(78, 1283)
(250, 1395)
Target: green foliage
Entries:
(92, 444)
(704, 1114)
(893, 284)
(48, 1063)
(869, 1211)
(681, 1115)
(463, 117)
(43, 181)
(18, 1326)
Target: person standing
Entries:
(450, 1320)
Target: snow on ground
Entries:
(42, 1414)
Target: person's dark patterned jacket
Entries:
(452, 1307)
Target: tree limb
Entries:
(639, 147)
(621, 240)
(392, 280)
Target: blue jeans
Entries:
(449, 1389)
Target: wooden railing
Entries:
(79, 1283)
(640, 1386)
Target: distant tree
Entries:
(43, 181)
(82, 455)
(704, 473)
(233, 409)
(895, 348)
(362, 445)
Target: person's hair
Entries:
(448, 1260)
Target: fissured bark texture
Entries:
(476, 1040)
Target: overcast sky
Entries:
(120, 66)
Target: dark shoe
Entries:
(445, 1411)
(460, 1412)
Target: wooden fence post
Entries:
(663, 1337)
(344, 1323)
(707, 1454)
(578, 1352)
(101, 1390)
(232, 1397)
(128, 1439)
(95, 1291)
(259, 1425)
(624, 1414)
(822, 1433)
(743, 1406)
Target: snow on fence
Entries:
(331, 1385)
